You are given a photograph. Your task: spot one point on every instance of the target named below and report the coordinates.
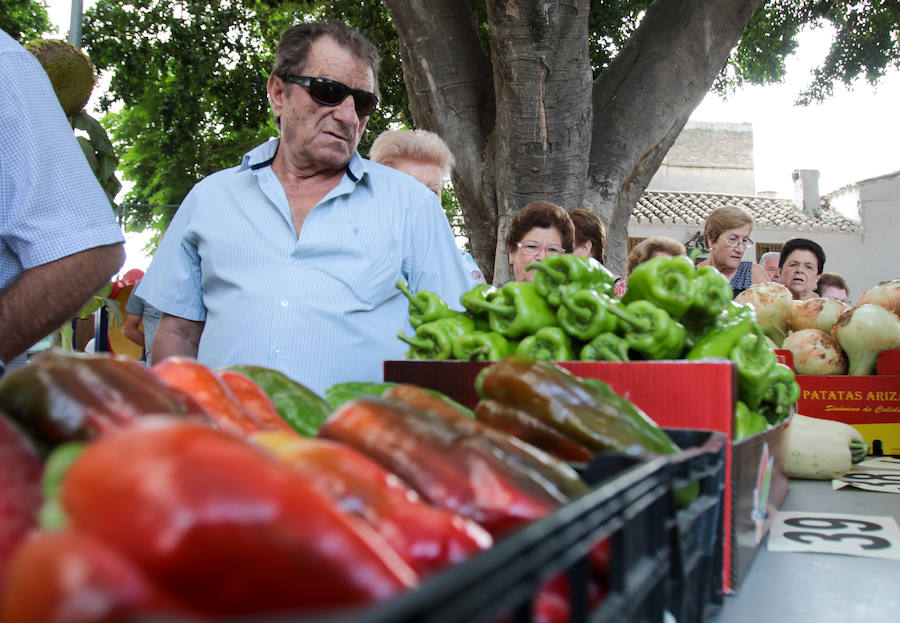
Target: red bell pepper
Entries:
(69, 577)
(426, 537)
(20, 489)
(450, 462)
(225, 527)
(254, 399)
(201, 383)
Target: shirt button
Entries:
(284, 303)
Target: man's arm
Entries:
(176, 336)
(132, 329)
(46, 296)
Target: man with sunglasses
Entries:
(290, 260)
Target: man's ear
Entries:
(275, 88)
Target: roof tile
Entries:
(692, 208)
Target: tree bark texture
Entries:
(526, 121)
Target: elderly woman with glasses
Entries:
(539, 229)
(727, 234)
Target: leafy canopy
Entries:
(188, 77)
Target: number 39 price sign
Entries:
(835, 533)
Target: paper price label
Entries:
(835, 533)
(887, 482)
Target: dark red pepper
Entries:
(62, 396)
(449, 461)
(223, 526)
(521, 424)
(20, 489)
(426, 537)
(69, 577)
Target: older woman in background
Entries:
(539, 229)
(645, 250)
(727, 235)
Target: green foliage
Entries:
(866, 44)
(24, 19)
(190, 75)
(191, 78)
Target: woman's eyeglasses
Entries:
(533, 248)
(738, 242)
(331, 93)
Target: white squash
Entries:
(822, 449)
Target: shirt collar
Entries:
(262, 156)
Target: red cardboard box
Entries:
(676, 394)
(871, 404)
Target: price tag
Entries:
(874, 474)
(835, 533)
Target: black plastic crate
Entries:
(695, 533)
(697, 530)
(628, 504)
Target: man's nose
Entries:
(346, 111)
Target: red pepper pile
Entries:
(193, 497)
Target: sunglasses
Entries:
(331, 93)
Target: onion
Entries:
(886, 294)
(816, 314)
(815, 352)
(864, 332)
(774, 304)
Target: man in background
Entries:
(59, 240)
(769, 263)
(833, 286)
(290, 259)
(425, 156)
(141, 320)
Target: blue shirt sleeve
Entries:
(52, 204)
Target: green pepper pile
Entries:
(671, 310)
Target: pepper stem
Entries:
(500, 308)
(641, 324)
(414, 300)
(416, 342)
(582, 313)
(557, 276)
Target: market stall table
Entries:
(825, 588)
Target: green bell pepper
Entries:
(475, 300)
(425, 306)
(747, 422)
(712, 293)
(516, 309)
(722, 337)
(667, 282)
(339, 393)
(781, 392)
(297, 405)
(755, 362)
(546, 344)
(584, 314)
(649, 330)
(481, 346)
(434, 340)
(556, 271)
(605, 347)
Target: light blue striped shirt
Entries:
(51, 205)
(322, 307)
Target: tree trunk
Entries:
(525, 121)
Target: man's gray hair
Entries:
(293, 47)
(767, 255)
